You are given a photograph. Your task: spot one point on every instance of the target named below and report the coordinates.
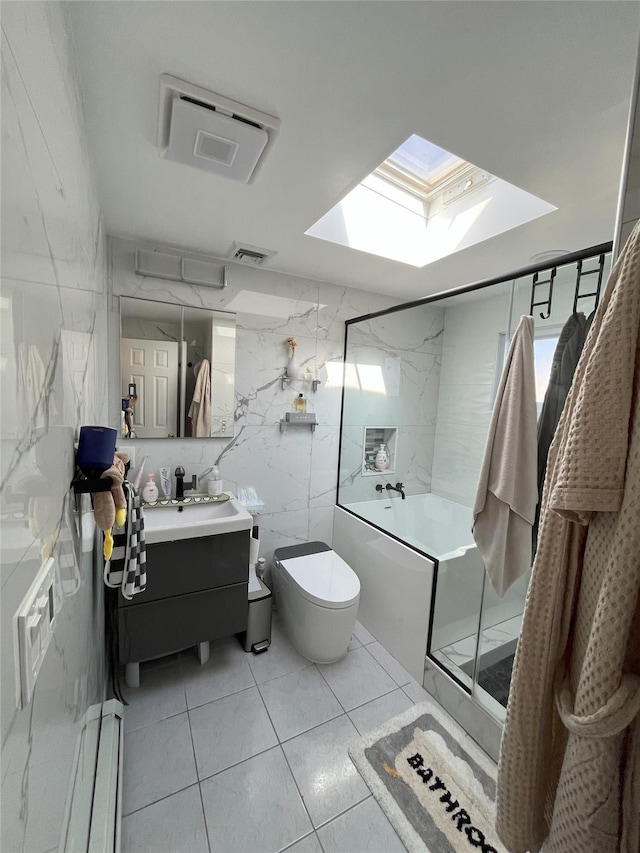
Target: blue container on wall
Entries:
(96, 448)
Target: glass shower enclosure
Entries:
(420, 380)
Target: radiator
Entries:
(94, 804)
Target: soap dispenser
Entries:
(150, 491)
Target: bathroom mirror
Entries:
(177, 370)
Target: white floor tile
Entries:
(389, 664)
(299, 701)
(160, 695)
(227, 671)
(230, 730)
(357, 679)
(254, 806)
(310, 844)
(368, 717)
(362, 635)
(158, 762)
(417, 693)
(363, 829)
(326, 776)
(354, 642)
(174, 825)
(280, 659)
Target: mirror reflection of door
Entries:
(153, 366)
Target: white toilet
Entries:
(317, 595)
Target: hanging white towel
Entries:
(200, 409)
(505, 504)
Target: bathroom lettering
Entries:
(461, 817)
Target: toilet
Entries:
(317, 595)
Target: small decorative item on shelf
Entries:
(382, 458)
(300, 403)
(293, 365)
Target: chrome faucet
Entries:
(180, 486)
(397, 488)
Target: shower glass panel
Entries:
(501, 618)
(421, 380)
(475, 335)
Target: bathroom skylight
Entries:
(420, 165)
(424, 203)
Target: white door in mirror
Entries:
(153, 367)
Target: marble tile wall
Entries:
(53, 327)
(294, 473)
(469, 352)
(410, 342)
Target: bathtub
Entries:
(396, 579)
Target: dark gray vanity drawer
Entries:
(161, 627)
(189, 565)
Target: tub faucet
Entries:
(180, 486)
(397, 488)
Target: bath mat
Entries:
(496, 679)
(433, 782)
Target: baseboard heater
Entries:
(94, 803)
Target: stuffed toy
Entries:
(110, 508)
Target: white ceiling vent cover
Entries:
(253, 256)
(205, 130)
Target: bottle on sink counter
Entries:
(214, 483)
(150, 491)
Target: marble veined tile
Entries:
(277, 465)
(417, 329)
(337, 304)
(324, 465)
(321, 524)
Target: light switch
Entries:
(33, 629)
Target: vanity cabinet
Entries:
(196, 591)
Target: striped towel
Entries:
(127, 567)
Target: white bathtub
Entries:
(396, 581)
(430, 523)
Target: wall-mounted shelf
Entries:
(298, 419)
(372, 439)
(287, 380)
(189, 499)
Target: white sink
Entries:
(191, 520)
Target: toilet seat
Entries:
(323, 578)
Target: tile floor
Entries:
(249, 752)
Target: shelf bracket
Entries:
(287, 380)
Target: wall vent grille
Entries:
(253, 256)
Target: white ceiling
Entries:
(536, 93)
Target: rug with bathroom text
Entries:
(433, 782)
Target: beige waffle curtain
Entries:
(569, 772)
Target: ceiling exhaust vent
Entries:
(211, 132)
(253, 256)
